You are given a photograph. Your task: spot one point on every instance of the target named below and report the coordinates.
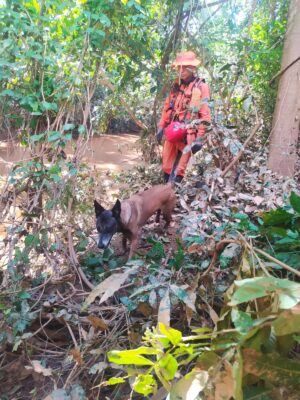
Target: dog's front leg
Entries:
(124, 243)
(133, 244)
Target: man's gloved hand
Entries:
(196, 147)
(159, 135)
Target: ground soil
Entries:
(108, 152)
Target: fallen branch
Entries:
(75, 261)
(241, 152)
(251, 248)
(278, 262)
(73, 255)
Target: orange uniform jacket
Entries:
(177, 107)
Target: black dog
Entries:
(107, 223)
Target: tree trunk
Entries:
(285, 129)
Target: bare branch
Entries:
(241, 152)
(282, 71)
(106, 82)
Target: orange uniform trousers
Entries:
(169, 155)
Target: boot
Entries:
(166, 177)
(178, 178)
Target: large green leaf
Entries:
(49, 106)
(295, 201)
(257, 393)
(287, 322)
(173, 335)
(36, 138)
(132, 356)
(54, 135)
(280, 371)
(278, 217)
(242, 321)
(253, 288)
(168, 366)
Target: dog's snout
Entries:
(104, 240)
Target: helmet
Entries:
(175, 132)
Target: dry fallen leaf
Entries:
(194, 248)
(184, 205)
(108, 287)
(164, 310)
(224, 383)
(153, 299)
(76, 356)
(134, 337)
(258, 200)
(249, 209)
(188, 310)
(37, 367)
(97, 323)
(145, 309)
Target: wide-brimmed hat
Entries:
(186, 58)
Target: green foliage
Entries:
(18, 315)
(155, 285)
(165, 347)
(288, 292)
(277, 231)
(253, 347)
(52, 52)
(263, 51)
(54, 55)
(95, 264)
(282, 228)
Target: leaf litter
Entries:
(106, 317)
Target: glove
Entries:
(196, 147)
(159, 135)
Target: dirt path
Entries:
(109, 152)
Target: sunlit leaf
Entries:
(249, 289)
(132, 356)
(145, 384)
(173, 335)
(114, 381)
(168, 366)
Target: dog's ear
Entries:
(98, 208)
(116, 210)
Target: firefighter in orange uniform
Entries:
(186, 102)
